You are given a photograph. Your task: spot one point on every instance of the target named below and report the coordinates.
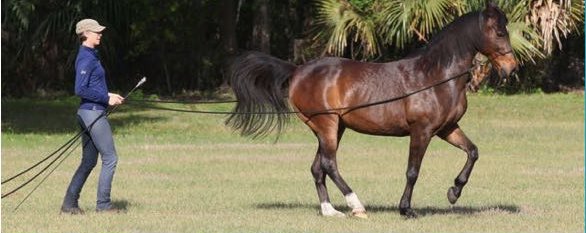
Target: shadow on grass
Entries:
(423, 211)
(21, 116)
(121, 204)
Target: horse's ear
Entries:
(491, 4)
(487, 13)
(491, 7)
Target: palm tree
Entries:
(342, 25)
(402, 22)
(555, 19)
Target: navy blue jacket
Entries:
(90, 80)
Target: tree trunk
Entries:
(227, 30)
(228, 26)
(261, 35)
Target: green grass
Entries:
(180, 172)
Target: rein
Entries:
(346, 110)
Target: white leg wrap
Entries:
(328, 210)
(354, 203)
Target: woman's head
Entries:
(89, 32)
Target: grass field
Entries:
(180, 172)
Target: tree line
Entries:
(185, 46)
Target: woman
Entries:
(90, 85)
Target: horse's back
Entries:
(343, 84)
(340, 82)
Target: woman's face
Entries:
(93, 38)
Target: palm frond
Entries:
(517, 12)
(553, 21)
(577, 15)
(404, 18)
(340, 22)
(397, 18)
(436, 13)
(525, 42)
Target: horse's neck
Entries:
(460, 65)
(451, 65)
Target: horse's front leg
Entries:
(456, 137)
(417, 147)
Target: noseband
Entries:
(505, 53)
(499, 54)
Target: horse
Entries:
(421, 96)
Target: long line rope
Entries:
(184, 101)
(347, 109)
(67, 145)
(48, 174)
(62, 151)
(73, 139)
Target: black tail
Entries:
(259, 82)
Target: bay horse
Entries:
(322, 93)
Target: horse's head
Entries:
(495, 42)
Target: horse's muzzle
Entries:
(506, 65)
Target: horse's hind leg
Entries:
(325, 163)
(457, 138)
(319, 176)
(318, 170)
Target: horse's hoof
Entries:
(452, 197)
(360, 214)
(408, 213)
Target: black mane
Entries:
(454, 41)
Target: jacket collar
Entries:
(93, 51)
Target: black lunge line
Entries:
(347, 109)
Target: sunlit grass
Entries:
(187, 173)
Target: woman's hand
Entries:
(115, 99)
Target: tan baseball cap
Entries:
(88, 25)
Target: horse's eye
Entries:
(499, 33)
